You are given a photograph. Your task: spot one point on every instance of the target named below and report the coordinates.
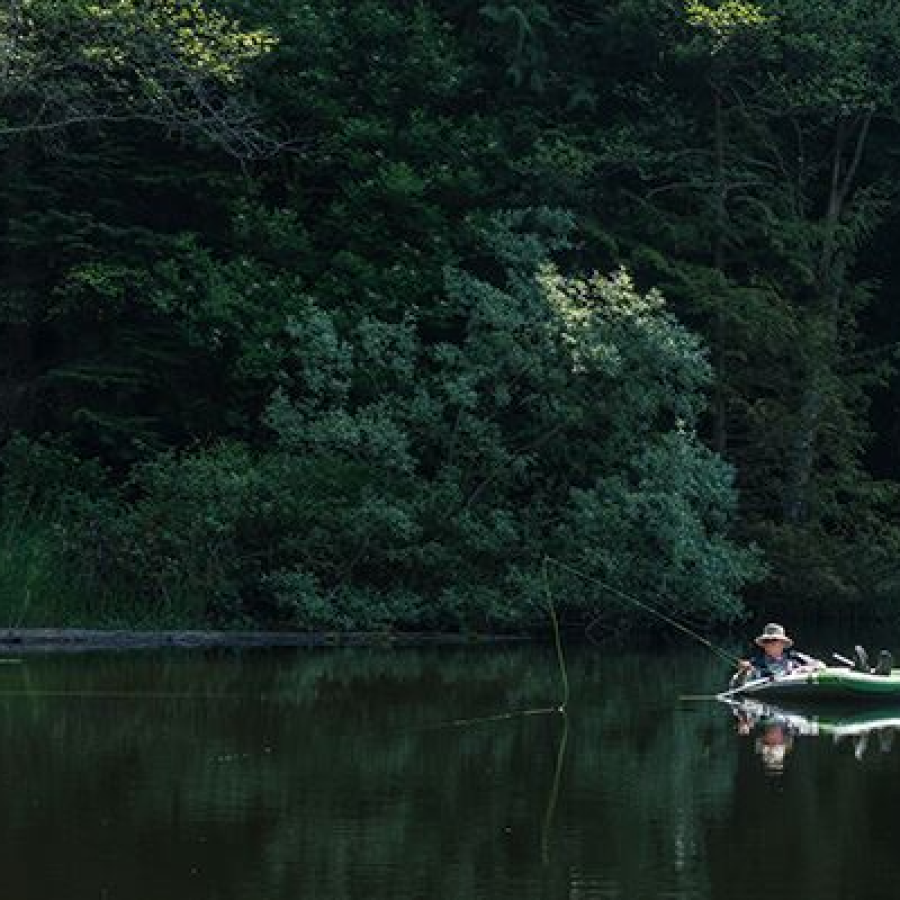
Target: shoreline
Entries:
(45, 640)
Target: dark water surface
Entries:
(347, 774)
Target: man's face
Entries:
(774, 648)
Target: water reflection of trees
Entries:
(337, 774)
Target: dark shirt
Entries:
(765, 665)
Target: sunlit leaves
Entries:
(724, 20)
(183, 32)
(175, 62)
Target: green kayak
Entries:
(829, 684)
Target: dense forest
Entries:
(350, 313)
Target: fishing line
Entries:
(557, 640)
(669, 620)
(499, 717)
(118, 695)
(553, 798)
(561, 708)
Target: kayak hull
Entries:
(837, 720)
(827, 685)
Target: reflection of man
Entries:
(774, 657)
(773, 746)
(744, 722)
(776, 735)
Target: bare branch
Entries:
(66, 66)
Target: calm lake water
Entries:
(358, 774)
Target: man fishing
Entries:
(774, 657)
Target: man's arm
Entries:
(807, 661)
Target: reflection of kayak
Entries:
(776, 727)
(853, 726)
(825, 685)
(834, 720)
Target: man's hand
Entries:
(810, 663)
(743, 673)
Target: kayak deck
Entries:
(827, 685)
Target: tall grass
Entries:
(41, 585)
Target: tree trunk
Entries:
(824, 323)
(720, 414)
(18, 370)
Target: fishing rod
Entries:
(745, 686)
(732, 692)
(646, 607)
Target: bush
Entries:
(419, 484)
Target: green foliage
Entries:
(724, 21)
(68, 64)
(339, 386)
(417, 486)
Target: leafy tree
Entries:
(418, 484)
(71, 63)
(251, 262)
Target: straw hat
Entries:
(773, 632)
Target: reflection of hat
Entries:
(773, 632)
